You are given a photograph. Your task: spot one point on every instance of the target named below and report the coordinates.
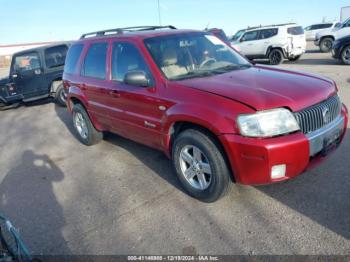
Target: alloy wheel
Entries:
(80, 125)
(195, 167)
(275, 57)
(346, 55)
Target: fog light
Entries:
(278, 171)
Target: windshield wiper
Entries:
(232, 67)
(193, 74)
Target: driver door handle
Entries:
(114, 93)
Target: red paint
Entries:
(212, 102)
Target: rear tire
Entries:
(345, 55)
(86, 132)
(60, 96)
(276, 57)
(326, 44)
(293, 59)
(200, 165)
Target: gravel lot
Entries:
(120, 197)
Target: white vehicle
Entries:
(312, 30)
(344, 13)
(274, 42)
(326, 38)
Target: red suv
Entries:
(217, 116)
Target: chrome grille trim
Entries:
(312, 119)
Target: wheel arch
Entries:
(74, 99)
(180, 126)
(271, 47)
(327, 36)
(54, 84)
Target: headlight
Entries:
(268, 123)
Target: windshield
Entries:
(193, 55)
(238, 35)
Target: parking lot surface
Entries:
(120, 197)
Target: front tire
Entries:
(276, 57)
(86, 132)
(61, 96)
(200, 165)
(326, 44)
(345, 55)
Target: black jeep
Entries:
(34, 74)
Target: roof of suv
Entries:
(270, 26)
(139, 31)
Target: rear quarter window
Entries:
(72, 58)
(296, 30)
(55, 56)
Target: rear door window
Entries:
(55, 56)
(296, 30)
(95, 61)
(268, 33)
(72, 59)
(27, 62)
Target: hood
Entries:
(264, 87)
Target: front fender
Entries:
(214, 120)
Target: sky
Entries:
(26, 21)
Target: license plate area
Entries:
(331, 142)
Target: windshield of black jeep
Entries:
(193, 55)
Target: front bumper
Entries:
(252, 159)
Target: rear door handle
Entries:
(114, 93)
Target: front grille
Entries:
(317, 116)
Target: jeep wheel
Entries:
(276, 57)
(87, 133)
(345, 55)
(61, 96)
(200, 165)
(293, 59)
(326, 44)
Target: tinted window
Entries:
(126, 58)
(55, 56)
(27, 62)
(72, 59)
(95, 61)
(267, 33)
(347, 24)
(250, 36)
(296, 30)
(238, 35)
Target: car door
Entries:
(248, 45)
(344, 31)
(265, 39)
(27, 75)
(94, 82)
(136, 114)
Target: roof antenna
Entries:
(159, 16)
(206, 28)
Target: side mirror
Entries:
(137, 78)
(241, 40)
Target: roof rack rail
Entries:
(261, 26)
(124, 29)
